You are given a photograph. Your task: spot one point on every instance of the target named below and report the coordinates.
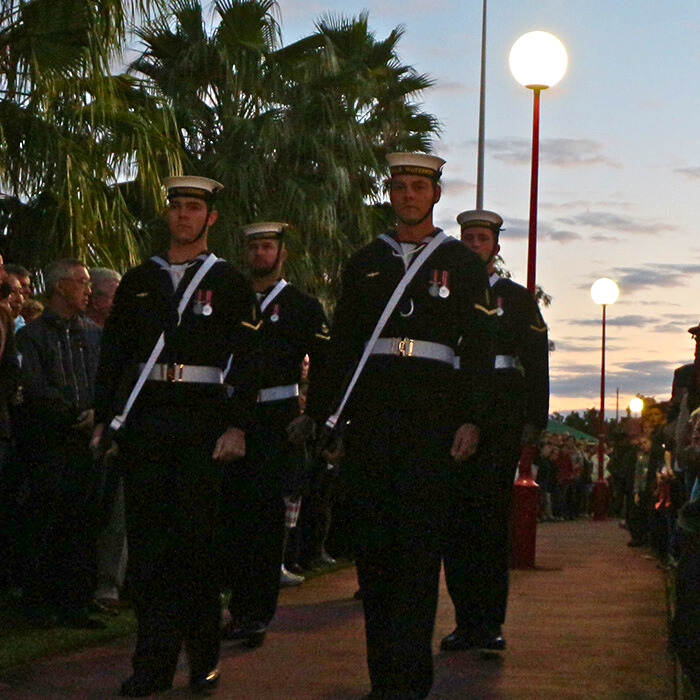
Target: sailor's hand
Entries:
(85, 420)
(465, 442)
(98, 449)
(334, 452)
(301, 429)
(230, 446)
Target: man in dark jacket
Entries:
(59, 359)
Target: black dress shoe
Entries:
(205, 683)
(489, 639)
(140, 686)
(252, 633)
(459, 639)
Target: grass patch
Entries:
(23, 642)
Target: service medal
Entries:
(444, 288)
(433, 289)
(197, 308)
(206, 310)
(499, 305)
(275, 314)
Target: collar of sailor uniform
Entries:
(163, 261)
(395, 236)
(495, 277)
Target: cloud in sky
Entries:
(625, 321)
(565, 153)
(667, 275)
(651, 378)
(517, 229)
(456, 186)
(615, 222)
(690, 173)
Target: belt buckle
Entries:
(170, 375)
(405, 347)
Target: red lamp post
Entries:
(537, 60)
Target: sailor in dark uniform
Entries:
(411, 420)
(476, 557)
(178, 434)
(294, 325)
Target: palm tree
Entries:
(295, 133)
(70, 131)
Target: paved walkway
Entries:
(588, 623)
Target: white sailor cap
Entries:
(192, 186)
(265, 229)
(415, 164)
(480, 217)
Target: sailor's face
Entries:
(412, 197)
(186, 217)
(261, 254)
(481, 240)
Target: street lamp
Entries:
(636, 405)
(603, 291)
(537, 61)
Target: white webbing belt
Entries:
(407, 347)
(194, 374)
(438, 240)
(119, 420)
(278, 393)
(505, 362)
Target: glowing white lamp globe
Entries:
(604, 291)
(636, 404)
(538, 60)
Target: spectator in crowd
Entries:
(59, 359)
(104, 286)
(111, 542)
(9, 383)
(22, 275)
(14, 301)
(31, 310)
(546, 477)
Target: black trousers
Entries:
(477, 538)
(253, 516)
(397, 475)
(172, 493)
(61, 525)
(251, 549)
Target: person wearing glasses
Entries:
(59, 353)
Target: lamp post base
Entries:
(526, 494)
(601, 497)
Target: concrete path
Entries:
(589, 622)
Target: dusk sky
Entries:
(619, 168)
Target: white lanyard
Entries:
(440, 238)
(119, 420)
(275, 291)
